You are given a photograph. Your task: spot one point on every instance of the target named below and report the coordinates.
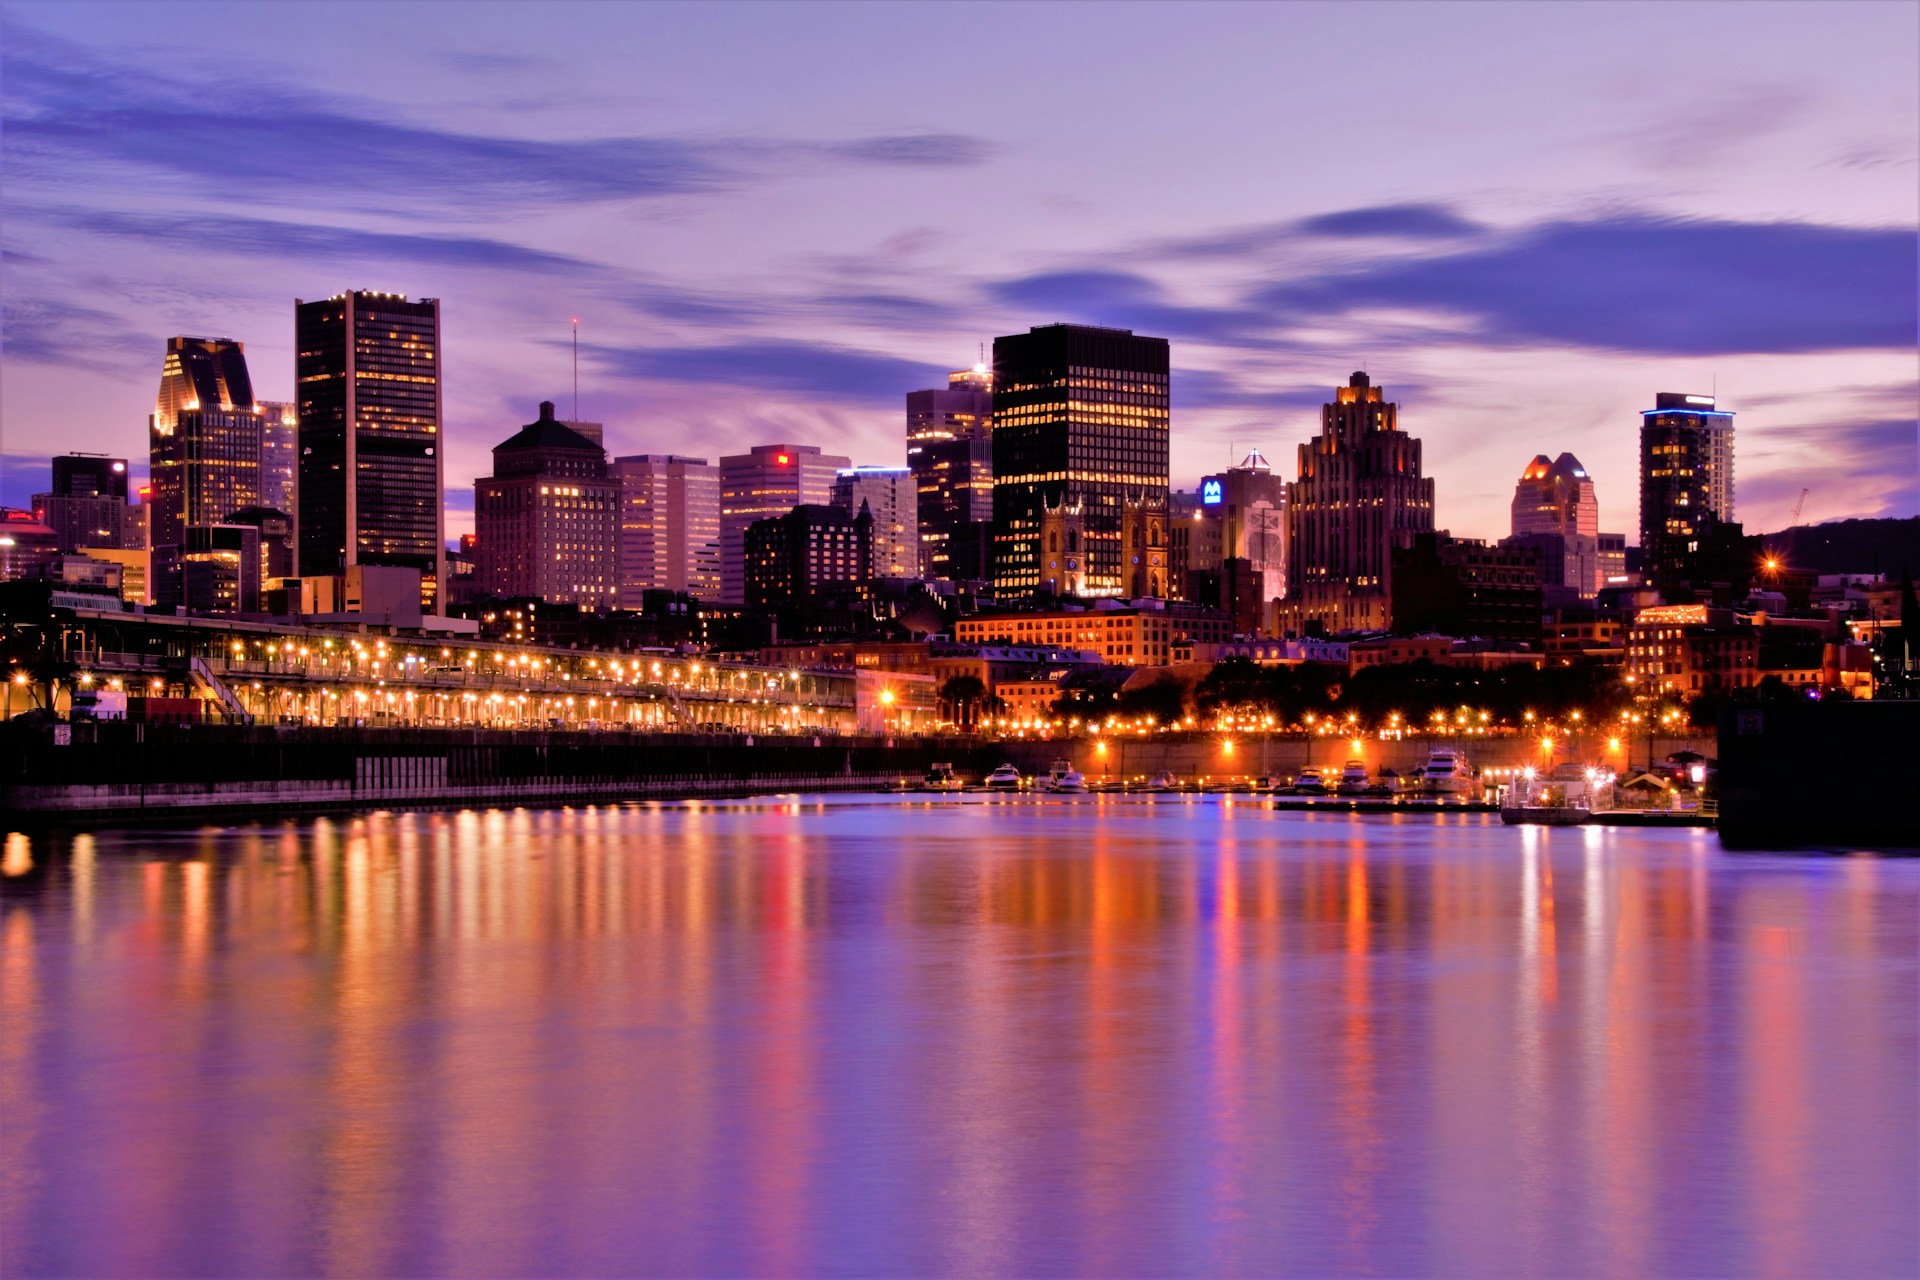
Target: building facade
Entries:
(1684, 650)
(1121, 637)
(279, 454)
(87, 504)
(1556, 513)
(1468, 589)
(371, 462)
(1686, 484)
(791, 558)
(892, 495)
(548, 519)
(669, 527)
(1242, 515)
(768, 480)
(1359, 495)
(203, 448)
(1080, 427)
(950, 452)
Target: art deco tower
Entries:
(367, 378)
(1360, 494)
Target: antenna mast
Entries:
(576, 368)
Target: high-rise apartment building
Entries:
(548, 519)
(1555, 513)
(1686, 483)
(1080, 421)
(768, 480)
(1359, 495)
(89, 475)
(892, 495)
(279, 454)
(950, 452)
(791, 558)
(204, 448)
(367, 373)
(1242, 516)
(669, 526)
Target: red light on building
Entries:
(780, 459)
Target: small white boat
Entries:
(1353, 779)
(1072, 782)
(1005, 778)
(1308, 782)
(1446, 773)
(1161, 781)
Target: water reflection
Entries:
(1088, 1038)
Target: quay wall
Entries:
(1820, 775)
(118, 768)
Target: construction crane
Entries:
(1798, 507)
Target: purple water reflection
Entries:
(1110, 1037)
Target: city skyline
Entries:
(1669, 235)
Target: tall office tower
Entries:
(768, 480)
(367, 369)
(950, 452)
(1079, 431)
(548, 518)
(1360, 494)
(669, 526)
(87, 505)
(1556, 513)
(204, 448)
(892, 494)
(1243, 516)
(1686, 483)
(279, 454)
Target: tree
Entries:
(963, 693)
(1164, 701)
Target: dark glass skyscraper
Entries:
(1686, 484)
(950, 452)
(367, 382)
(1080, 462)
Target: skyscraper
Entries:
(890, 493)
(1359, 495)
(204, 448)
(548, 519)
(367, 369)
(1243, 516)
(89, 475)
(1080, 418)
(768, 480)
(87, 504)
(1555, 512)
(803, 555)
(279, 454)
(1686, 483)
(669, 526)
(950, 452)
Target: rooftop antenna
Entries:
(576, 368)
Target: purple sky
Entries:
(775, 220)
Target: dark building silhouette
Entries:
(276, 540)
(1466, 588)
(795, 559)
(548, 519)
(1080, 421)
(1686, 486)
(367, 369)
(89, 475)
(767, 480)
(950, 452)
(1359, 495)
(87, 504)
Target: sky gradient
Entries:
(775, 220)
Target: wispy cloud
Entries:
(803, 368)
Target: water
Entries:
(1088, 1037)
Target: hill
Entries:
(1851, 546)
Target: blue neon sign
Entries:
(1210, 494)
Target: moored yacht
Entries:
(1005, 778)
(1353, 778)
(1308, 782)
(1446, 773)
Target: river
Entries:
(1107, 1036)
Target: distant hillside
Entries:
(1852, 546)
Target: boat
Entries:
(1353, 779)
(1308, 782)
(1072, 782)
(940, 777)
(1056, 771)
(1161, 781)
(1565, 797)
(1005, 778)
(1446, 773)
